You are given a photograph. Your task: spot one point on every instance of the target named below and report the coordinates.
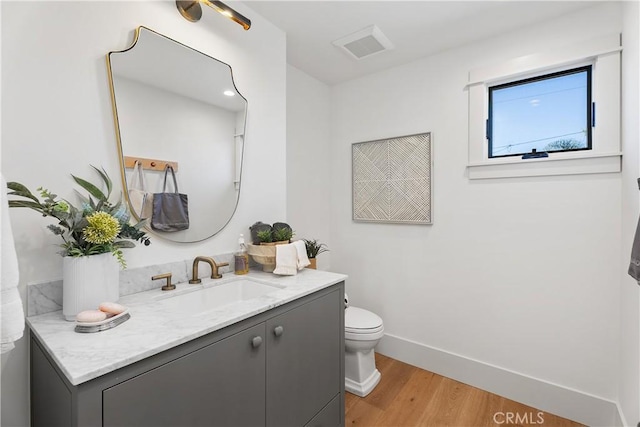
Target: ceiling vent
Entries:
(364, 43)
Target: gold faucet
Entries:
(168, 286)
(212, 263)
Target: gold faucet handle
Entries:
(214, 272)
(168, 286)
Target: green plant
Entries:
(255, 228)
(97, 227)
(314, 248)
(265, 236)
(282, 234)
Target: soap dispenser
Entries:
(241, 257)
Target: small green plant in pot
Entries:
(265, 236)
(314, 248)
(283, 234)
(257, 227)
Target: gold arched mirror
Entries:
(173, 104)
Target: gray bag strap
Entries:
(175, 183)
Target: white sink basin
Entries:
(212, 295)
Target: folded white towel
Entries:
(286, 260)
(12, 313)
(301, 248)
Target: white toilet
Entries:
(362, 331)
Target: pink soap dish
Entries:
(108, 323)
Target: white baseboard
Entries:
(620, 419)
(555, 399)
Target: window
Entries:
(548, 113)
(515, 107)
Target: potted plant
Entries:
(282, 232)
(93, 236)
(257, 228)
(314, 248)
(265, 234)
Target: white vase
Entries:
(88, 281)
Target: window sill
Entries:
(547, 166)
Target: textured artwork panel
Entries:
(371, 193)
(370, 163)
(392, 180)
(404, 156)
(410, 201)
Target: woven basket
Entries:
(263, 255)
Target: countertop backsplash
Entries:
(46, 297)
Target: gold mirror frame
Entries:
(213, 187)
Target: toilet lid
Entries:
(358, 318)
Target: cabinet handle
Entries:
(278, 330)
(256, 342)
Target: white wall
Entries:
(57, 120)
(629, 367)
(520, 275)
(308, 159)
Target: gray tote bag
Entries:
(170, 210)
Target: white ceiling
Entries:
(416, 28)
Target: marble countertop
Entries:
(152, 328)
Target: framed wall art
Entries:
(392, 180)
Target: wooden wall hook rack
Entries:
(149, 164)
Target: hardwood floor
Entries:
(409, 396)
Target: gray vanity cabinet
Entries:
(303, 361)
(221, 384)
(284, 367)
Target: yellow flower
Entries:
(102, 228)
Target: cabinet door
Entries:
(303, 361)
(219, 385)
(50, 399)
(329, 416)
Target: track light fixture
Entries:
(191, 10)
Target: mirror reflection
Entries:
(173, 104)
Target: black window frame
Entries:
(590, 107)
